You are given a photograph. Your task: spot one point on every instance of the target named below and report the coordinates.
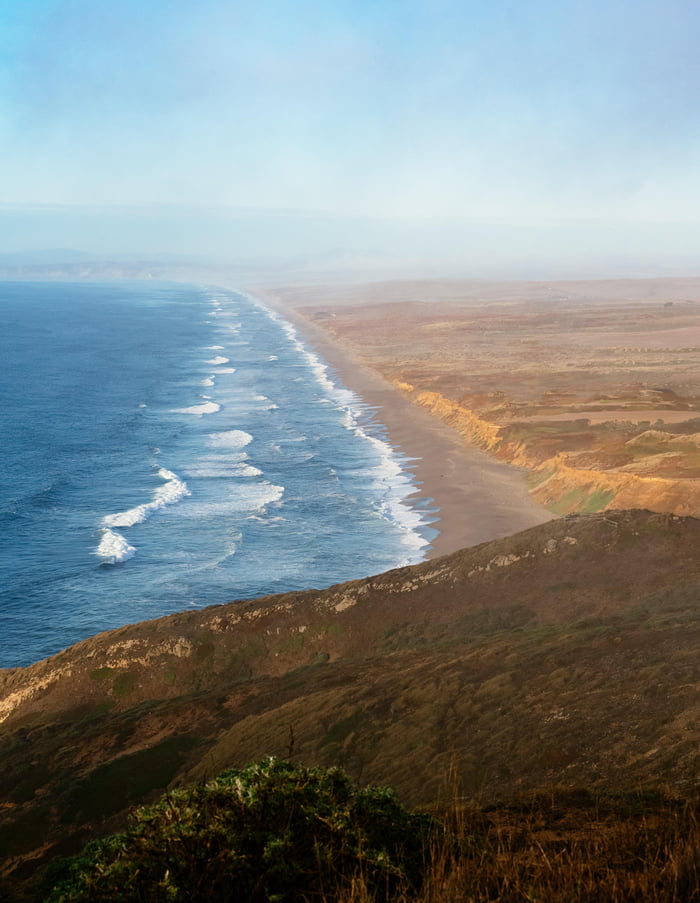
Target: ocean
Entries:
(166, 447)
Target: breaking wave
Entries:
(392, 483)
(113, 547)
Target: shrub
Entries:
(272, 831)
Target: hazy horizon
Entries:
(447, 133)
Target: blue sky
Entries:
(522, 111)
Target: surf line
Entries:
(394, 482)
(113, 547)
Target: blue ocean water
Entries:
(165, 446)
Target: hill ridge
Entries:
(566, 653)
(123, 647)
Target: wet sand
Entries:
(478, 497)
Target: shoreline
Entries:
(478, 498)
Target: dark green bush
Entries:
(270, 832)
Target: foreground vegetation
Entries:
(281, 832)
(569, 848)
(269, 832)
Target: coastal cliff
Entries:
(554, 481)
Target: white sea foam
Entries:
(213, 347)
(391, 481)
(114, 548)
(218, 360)
(247, 470)
(208, 407)
(224, 465)
(170, 492)
(222, 469)
(269, 405)
(209, 381)
(244, 498)
(229, 439)
(221, 370)
(223, 458)
(255, 496)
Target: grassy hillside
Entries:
(564, 655)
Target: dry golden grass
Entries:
(560, 850)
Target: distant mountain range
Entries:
(71, 264)
(46, 257)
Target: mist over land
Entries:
(500, 141)
(291, 244)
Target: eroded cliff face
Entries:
(566, 490)
(467, 423)
(557, 483)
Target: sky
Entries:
(387, 111)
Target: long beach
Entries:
(478, 497)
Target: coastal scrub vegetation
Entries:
(275, 832)
(272, 831)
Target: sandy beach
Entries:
(478, 497)
(593, 386)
